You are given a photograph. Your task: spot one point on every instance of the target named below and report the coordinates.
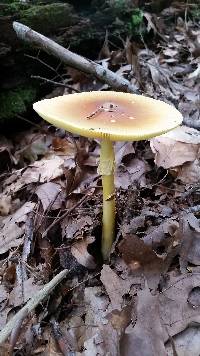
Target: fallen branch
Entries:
(72, 59)
(31, 305)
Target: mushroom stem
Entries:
(106, 169)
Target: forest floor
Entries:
(146, 300)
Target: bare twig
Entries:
(29, 122)
(58, 75)
(72, 59)
(31, 305)
(55, 83)
(59, 218)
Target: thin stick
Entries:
(45, 64)
(59, 218)
(72, 59)
(29, 122)
(55, 83)
(31, 305)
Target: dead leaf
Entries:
(21, 294)
(124, 69)
(72, 228)
(12, 228)
(194, 41)
(104, 342)
(169, 52)
(189, 233)
(121, 319)
(187, 343)
(9, 275)
(146, 337)
(50, 195)
(3, 317)
(196, 73)
(64, 147)
(130, 173)
(109, 335)
(176, 147)
(5, 205)
(61, 341)
(194, 297)
(122, 149)
(51, 348)
(77, 75)
(115, 286)
(175, 311)
(141, 259)
(6, 157)
(41, 171)
(157, 236)
(47, 252)
(97, 308)
(3, 294)
(152, 21)
(184, 134)
(44, 170)
(133, 225)
(33, 145)
(80, 252)
(189, 172)
(106, 337)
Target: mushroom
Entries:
(109, 116)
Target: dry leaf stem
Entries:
(31, 305)
(72, 59)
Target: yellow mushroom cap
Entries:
(110, 115)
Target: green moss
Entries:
(12, 8)
(48, 18)
(45, 18)
(136, 22)
(14, 102)
(136, 17)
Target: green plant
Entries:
(136, 21)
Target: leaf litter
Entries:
(146, 300)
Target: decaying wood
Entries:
(72, 59)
